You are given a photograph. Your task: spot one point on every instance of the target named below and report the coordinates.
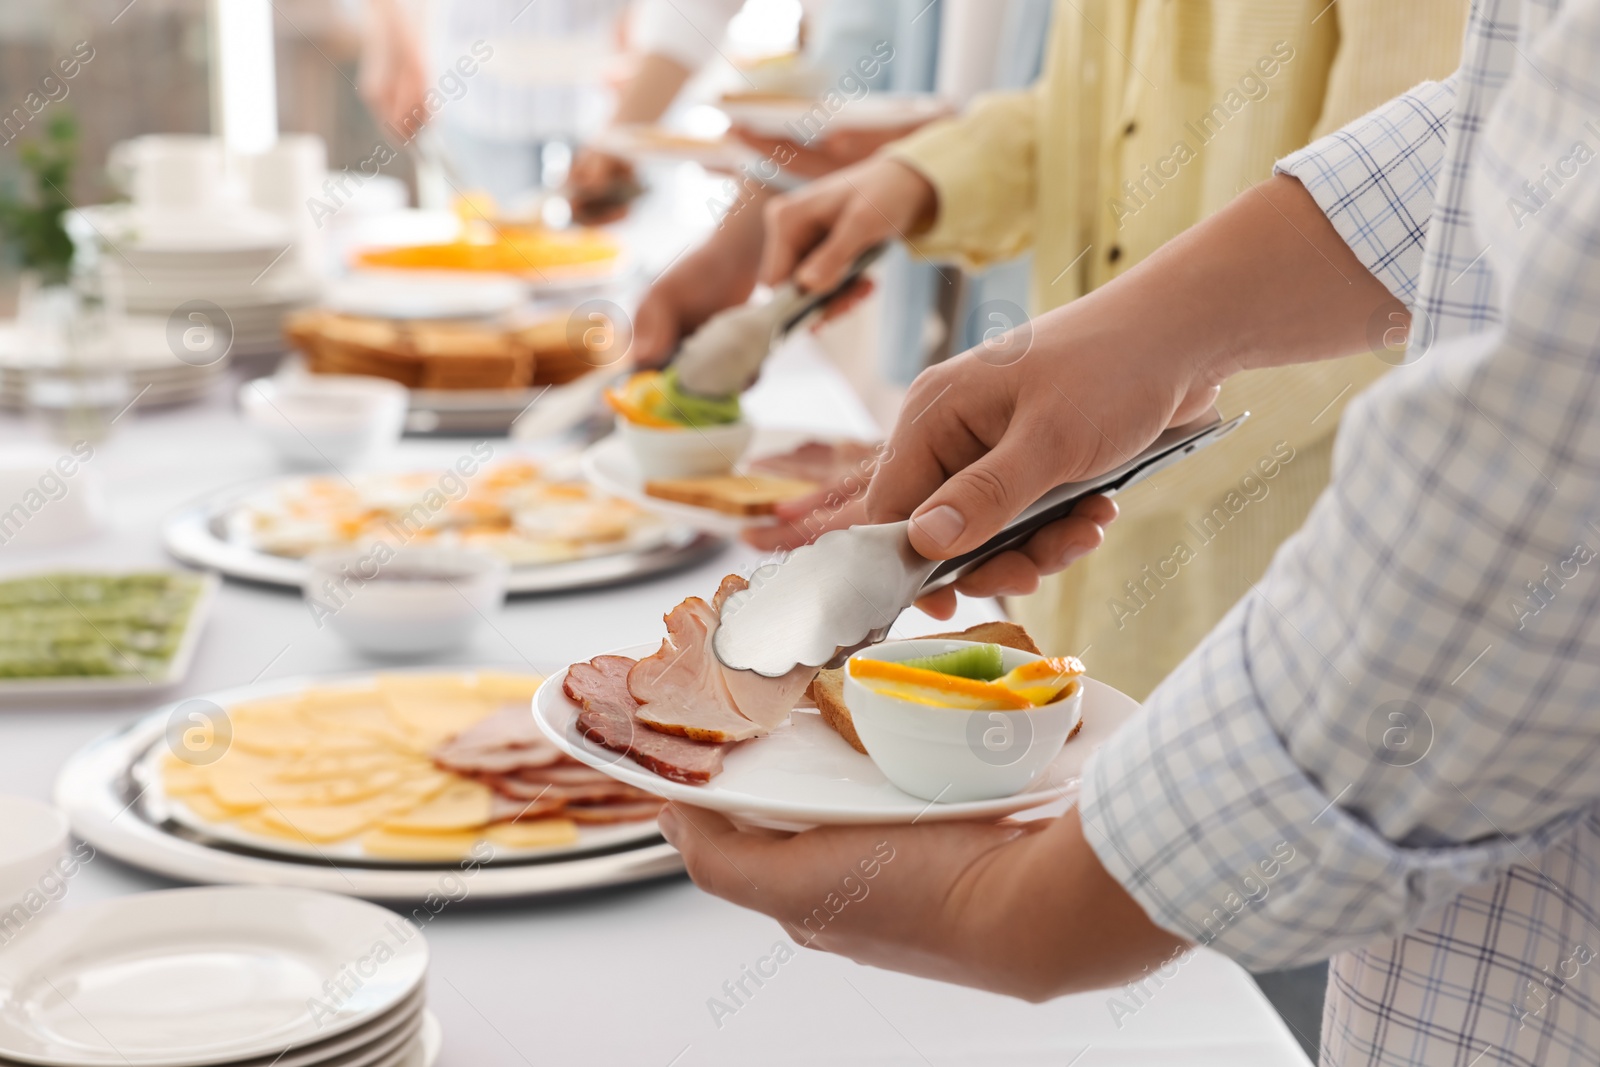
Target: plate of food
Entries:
(976, 724)
(556, 533)
(76, 633)
(798, 116)
(391, 768)
(399, 786)
(701, 462)
(544, 259)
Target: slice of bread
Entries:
(732, 494)
(827, 689)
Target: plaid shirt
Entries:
(1389, 752)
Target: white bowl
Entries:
(952, 755)
(404, 601)
(689, 452)
(326, 420)
(33, 843)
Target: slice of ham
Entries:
(505, 809)
(613, 813)
(685, 689)
(826, 464)
(600, 688)
(505, 741)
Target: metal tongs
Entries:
(725, 354)
(830, 599)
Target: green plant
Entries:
(30, 223)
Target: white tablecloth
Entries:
(622, 977)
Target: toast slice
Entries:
(827, 689)
(732, 494)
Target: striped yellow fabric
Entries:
(1150, 115)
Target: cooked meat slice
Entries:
(823, 463)
(600, 688)
(507, 809)
(683, 688)
(503, 742)
(614, 813)
(764, 701)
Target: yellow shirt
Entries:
(1149, 116)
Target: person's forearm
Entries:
(1264, 282)
(1044, 919)
(651, 90)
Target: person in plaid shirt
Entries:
(1389, 752)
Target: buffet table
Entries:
(623, 976)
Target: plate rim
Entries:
(791, 815)
(187, 536)
(152, 791)
(416, 950)
(94, 789)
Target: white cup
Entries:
(33, 841)
(173, 172)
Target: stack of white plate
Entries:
(226, 977)
(139, 346)
(243, 262)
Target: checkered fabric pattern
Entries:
(1407, 707)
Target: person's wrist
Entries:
(916, 195)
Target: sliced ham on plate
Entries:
(600, 688)
(827, 464)
(684, 689)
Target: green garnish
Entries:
(674, 404)
(70, 625)
(984, 663)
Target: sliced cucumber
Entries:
(983, 662)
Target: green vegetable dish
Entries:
(74, 625)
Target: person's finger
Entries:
(940, 605)
(795, 222)
(852, 297)
(655, 330)
(1052, 549)
(979, 498)
(711, 849)
(859, 227)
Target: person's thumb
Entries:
(976, 502)
(858, 229)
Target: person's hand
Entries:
(1058, 399)
(596, 184)
(393, 76)
(998, 906)
(816, 233)
(719, 274)
(826, 154)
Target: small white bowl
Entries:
(406, 601)
(952, 755)
(689, 452)
(33, 841)
(323, 420)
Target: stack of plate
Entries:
(217, 976)
(244, 262)
(139, 346)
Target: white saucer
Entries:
(804, 774)
(186, 977)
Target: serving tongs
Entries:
(725, 354)
(834, 597)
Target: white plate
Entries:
(875, 111)
(609, 466)
(96, 790)
(177, 667)
(804, 774)
(146, 773)
(652, 142)
(197, 535)
(185, 977)
(394, 294)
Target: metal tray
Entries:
(195, 534)
(98, 791)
